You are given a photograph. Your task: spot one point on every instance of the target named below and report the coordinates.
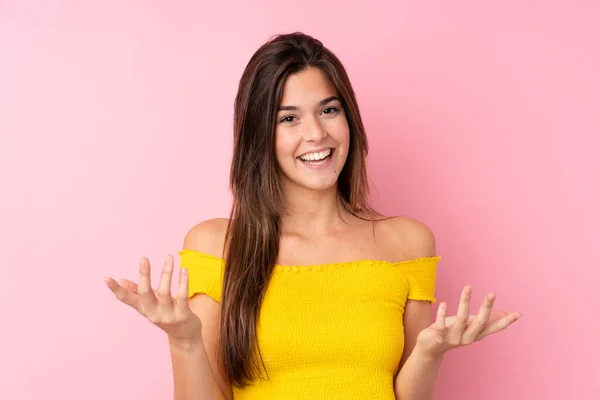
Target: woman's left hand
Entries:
(448, 333)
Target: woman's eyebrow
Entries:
(321, 103)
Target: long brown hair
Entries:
(253, 233)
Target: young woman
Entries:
(305, 292)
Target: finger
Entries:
(440, 323)
(497, 315)
(148, 299)
(483, 317)
(457, 329)
(498, 325)
(131, 286)
(163, 293)
(122, 294)
(182, 302)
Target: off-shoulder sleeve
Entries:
(421, 276)
(205, 273)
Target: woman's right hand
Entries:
(172, 315)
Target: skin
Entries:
(315, 230)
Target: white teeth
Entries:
(315, 156)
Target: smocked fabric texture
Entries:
(331, 331)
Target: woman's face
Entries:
(312, 136)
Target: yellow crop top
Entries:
(329, 331)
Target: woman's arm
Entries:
(418, 372)
(195, 365)
(192, 374)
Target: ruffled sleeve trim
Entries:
(205, 273)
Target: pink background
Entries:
(115, 138)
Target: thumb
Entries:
(129, 285)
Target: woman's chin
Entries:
(317, 185)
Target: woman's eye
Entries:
(291, 118)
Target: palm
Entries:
(464, 328)
(131, 293)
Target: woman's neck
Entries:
(316, 211)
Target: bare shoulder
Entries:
(416, 238)
(207, 236)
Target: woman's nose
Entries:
(315, 131)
